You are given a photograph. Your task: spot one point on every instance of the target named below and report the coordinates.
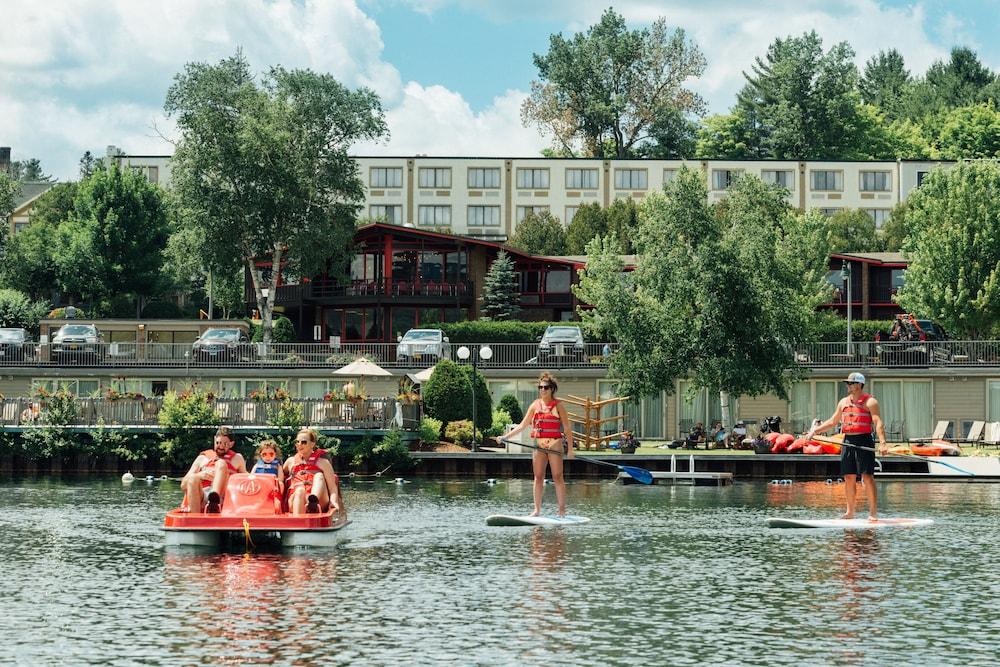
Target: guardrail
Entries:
(372, 413)
(904, 354)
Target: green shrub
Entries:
(282, 331)
(61, 408)
(430, 429)
(18, 311)
(446, 393)
(368, 453)
(510, 404)
(180, 412)
(500, 420)
(829, 327)
(459, 432)
(485, 331)
(286, 414)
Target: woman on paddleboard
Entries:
(550, 428)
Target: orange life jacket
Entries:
(303, 472)
(212, 458)
(548, 424)
(856, 417)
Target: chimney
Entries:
(5, 159)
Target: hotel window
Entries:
(921, 175)
(827, 181)
(722, 179)
(20, 226)
(523, 211)
(153, 174)
(434, 216)
(630, 179)
(484, 216)
(391, 214)
(533, 179)
(669, 175)
(570, 212)
(581, 179)
(878, 216)
(435, 177)
(386, 177)
(782, 177)
(485, 178)
(829, 211)
(875, 181)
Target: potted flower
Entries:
(628, 443)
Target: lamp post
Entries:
(845, 274)
(485, 352)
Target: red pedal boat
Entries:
(251, 511)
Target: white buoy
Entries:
(491, 481)
(163, 478)
(400, 480)
(128, 478)
(150, 478)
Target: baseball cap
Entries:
(855, 377)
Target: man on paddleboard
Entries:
(858, 415)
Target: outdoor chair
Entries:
(940, 431)
(895, 431)
(975, 434)
(991, 435)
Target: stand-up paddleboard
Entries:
(892, 522)
(507, 520)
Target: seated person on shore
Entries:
(738, 436)
(205, 482)
(718, 437)
(696, 436)
(313, 486)
(268, 457)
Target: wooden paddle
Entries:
(640, 475)
(908, 456)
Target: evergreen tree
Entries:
(590, 221)
(500, 293)
(885, 82)
(540, 234)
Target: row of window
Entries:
(486, 178)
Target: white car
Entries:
(423, 344)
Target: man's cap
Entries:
(855, 377)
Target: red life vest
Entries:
(212, 459)
(303, 472)
(548, 424)
(856, 417)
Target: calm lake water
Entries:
(668, 576)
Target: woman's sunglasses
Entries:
(302, 442)
(545, 386)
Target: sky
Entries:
(78, 75)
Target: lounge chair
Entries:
(992, 434)
(975, 434)
(939, 433)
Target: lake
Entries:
(662, 575)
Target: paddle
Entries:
(909, 456)
(640, 475)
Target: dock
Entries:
(688, 477)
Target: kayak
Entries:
(551, 520)
(893, 522)
(936, 448)
(250, 515)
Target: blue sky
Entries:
(78, 75)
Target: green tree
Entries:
(500, 290)
(266, 167)
(113, 242)
(896, 229)
(684, 311)
(17, 310)
(29, 264)
(672, 135)
(885, 82)
(87, 164)
(611, 84)
(590, 221)
(623, 222)
(852, 230)
(802, 103)
(970, 132)
(540, 234)
(509, 404)
(727, 136)
(959, 81)
(28, 170)
(446, 394)
(954, 249)
(10, 189)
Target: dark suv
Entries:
(221, 345)
(15, 346)
(910, 343)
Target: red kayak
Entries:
(252, 512)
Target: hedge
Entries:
(485, 331)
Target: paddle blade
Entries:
(640, 475)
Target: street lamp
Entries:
(485, 353)
(845, 275)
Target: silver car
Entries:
(77, 340)
(423, 344)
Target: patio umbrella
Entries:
(421, 377)
(362, 368)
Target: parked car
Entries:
(228, 344)
(77, 340)
(423, 344)
(907, 342)
(561, 343)
(15, 345)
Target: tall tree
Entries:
(611, 84)
(959, 81)
(969, 132)
(672, 135)
(500, 294)
(802, 103)
(683, 312)
(29, 264)
(728, 136)
(623, 222)
(28, 170)
(590, 221)
(954, 249)
(9, 191)
(87, 164)
(540, 234)
(885, 82)
(267, 169)
(852, 230)
(113, 242)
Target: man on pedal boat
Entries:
(205, 483)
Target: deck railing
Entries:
(907, 354)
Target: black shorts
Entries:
(855, 461)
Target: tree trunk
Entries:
(724, 401)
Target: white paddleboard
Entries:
(508, 520)
(889, 522)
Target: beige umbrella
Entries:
(423, 376)
(362, 368)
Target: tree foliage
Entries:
(509, 404)
(28, 170)
(19, 311)
(9, 191)
(699, 304)
(885, 82)
(608, 86)
(851, 230)
(970, 132)
(589, 222)
(501, 297)
(954, 249)
(540, 234)
(447, 394)
(623, 222)
(265, 168)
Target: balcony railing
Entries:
(372, 413)
(908, 354)
(321, 290)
